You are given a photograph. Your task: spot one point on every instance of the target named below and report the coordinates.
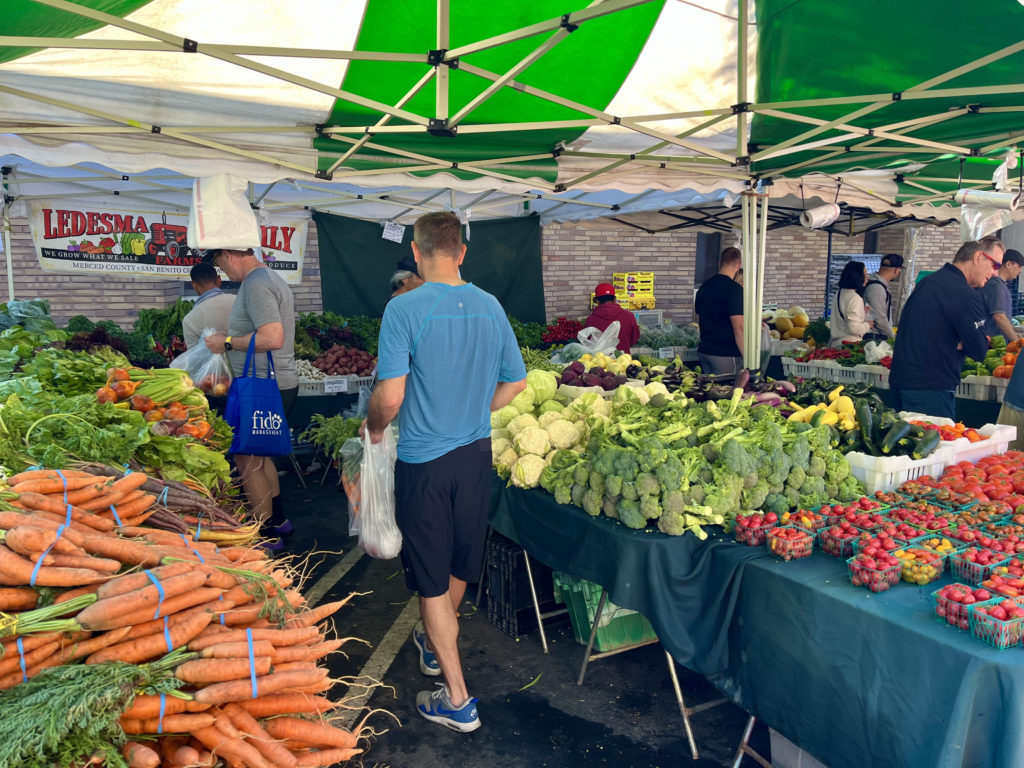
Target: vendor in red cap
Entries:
(608, 311)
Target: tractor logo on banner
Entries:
(145, 244)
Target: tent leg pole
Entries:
(7, 248)
(762, 243)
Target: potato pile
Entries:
(345, 361)
(787, 323)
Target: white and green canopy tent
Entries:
(882, 107)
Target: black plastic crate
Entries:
(509, 604)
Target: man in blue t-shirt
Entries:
(446, 358)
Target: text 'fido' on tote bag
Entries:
(255, 411)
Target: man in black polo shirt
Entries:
(719, 307)
(942, 321)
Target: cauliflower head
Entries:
(562, 433)
(520, 422)
(527, 470)
(532, 440)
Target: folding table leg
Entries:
(483, 569)
(745, 749)
(593, 634)
(536, 604)
(297, 468)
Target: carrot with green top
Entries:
(108, 613)
(15, 570)
(275, 682)
(187, 722)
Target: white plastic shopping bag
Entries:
(595, 341)
(378, 533)
(876, 350)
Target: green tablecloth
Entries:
(853, 678)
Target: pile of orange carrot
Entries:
(253, 685)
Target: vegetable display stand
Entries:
(998, 439)
(886, 473)
(617, 628)
(874, 579)
(790, 542)
(1000, 633)
(975, 388)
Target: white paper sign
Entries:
(665, 353)
(393, 232)
(336, 385)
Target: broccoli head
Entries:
(820, 439)
(778, 471)
(799, 449)
(629, 491)
(647, 484)
(610, 507)
(548, 475)
(626, 465)
(577, 494)
(850, 489)
(669, 473)
(652, 452)
(723, 495)
(694, 494)
(563, 494)
(737, 459)
(581, 473)
(597, 481)
(613, 485)
(796, 478)
(812, 493)
(630, 514)
(650, 507)
(837, 468)
(775, 502)
(592, 502)
(816, 466)
(754, 496)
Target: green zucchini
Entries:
(865, 420)
(928, 443)
(916, 431)
(833, 435)
(851, 440)
(816, 418)
(896, 432)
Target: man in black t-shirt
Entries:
(719, 307)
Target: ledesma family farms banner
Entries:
(145, 244)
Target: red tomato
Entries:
(1018, 486)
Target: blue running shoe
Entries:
(436, 707)
(428, 661)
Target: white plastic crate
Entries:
(999, 438)
(887, 473)
(998, 388)
(310, 387)
(873, 375)
(975, 388)
(844, 374)
(795, 369)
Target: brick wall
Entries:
(119, 300)
(577, 257)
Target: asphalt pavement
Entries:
(532, 711)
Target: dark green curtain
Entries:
(356, 264)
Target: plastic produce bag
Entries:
(210, 372)
(378, 534)
(351, 455)
(597, 342)
(876, 350)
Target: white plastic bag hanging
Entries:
(378, 533)
(595, 341)
(220, 215)
(876, 350)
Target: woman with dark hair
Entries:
(849, 314)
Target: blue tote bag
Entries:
(255, 411)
